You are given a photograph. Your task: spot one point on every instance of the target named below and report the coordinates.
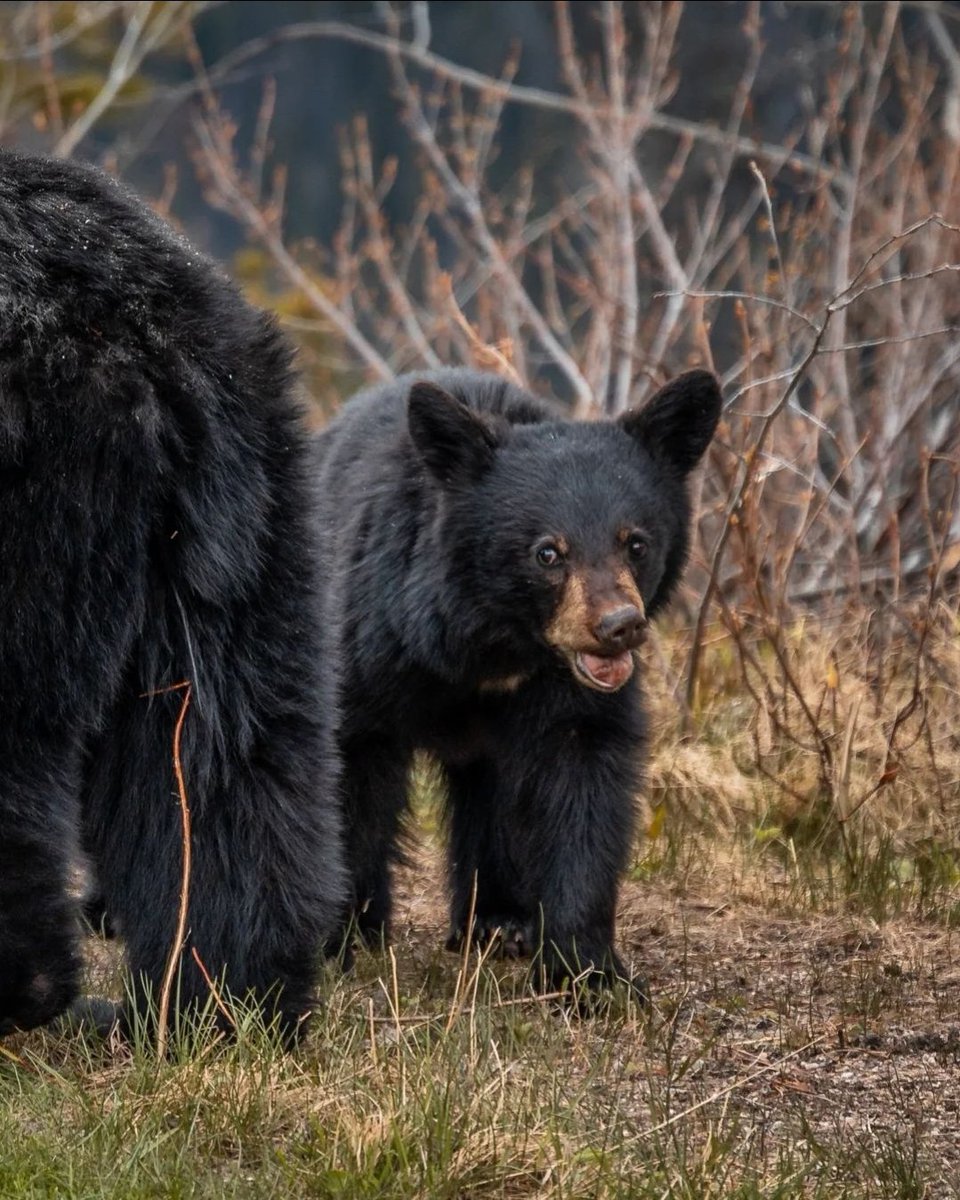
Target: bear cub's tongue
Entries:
(606, 673)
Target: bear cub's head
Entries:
(563, 537)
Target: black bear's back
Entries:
(70, 232)
(96, 289)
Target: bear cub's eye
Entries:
(549, 555)
(637, 546)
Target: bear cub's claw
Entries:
(508, 937)
(586, 987)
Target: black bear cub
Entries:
(490, 568)
(156, 527)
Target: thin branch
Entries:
(457, 191)
(137, 42)
(180, 936)
(752, 458)
(255, 220)
(512, 93)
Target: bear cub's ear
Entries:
(678, 422)
(455, 443)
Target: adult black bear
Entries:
(155, 527)
(490, 570)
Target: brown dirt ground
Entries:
(833, 1028)
(824, 1031)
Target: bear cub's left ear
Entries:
(455, 443)
(678, 422)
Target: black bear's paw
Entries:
(503, 936)
(33, 996)
(94, 1015)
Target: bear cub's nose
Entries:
(620, 629)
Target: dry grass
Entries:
(803, 1039)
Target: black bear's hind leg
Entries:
(264, 866)
(39, 963)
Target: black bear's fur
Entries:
(490, 570)
(155, 527)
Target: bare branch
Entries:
(533, 97)
(145, 30)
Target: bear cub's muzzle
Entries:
(608, 664)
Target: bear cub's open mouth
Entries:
(606, 673)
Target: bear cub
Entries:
(489, 569)
(156, 527)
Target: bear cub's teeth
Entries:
(608, 674)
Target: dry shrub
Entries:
(815, 269)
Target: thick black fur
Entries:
(436, 493)
(155, 527)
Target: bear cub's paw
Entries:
(586, 982)
(503, 936)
